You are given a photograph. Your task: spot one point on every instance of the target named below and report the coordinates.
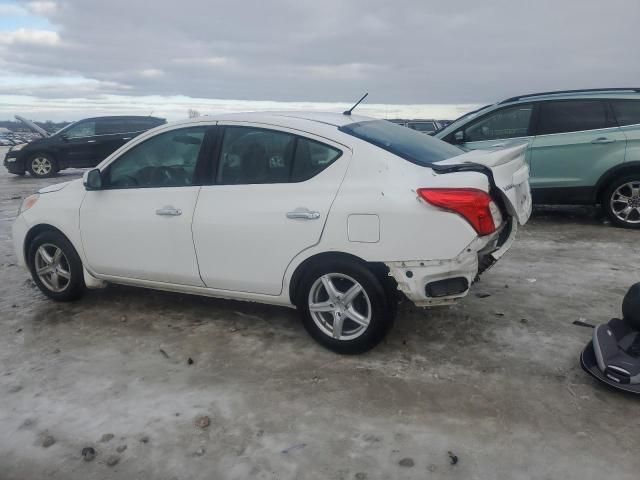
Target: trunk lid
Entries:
(508, 173)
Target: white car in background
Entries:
(330, 213)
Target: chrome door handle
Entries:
(303, 214)
(169, 211)
(127, 138)
(603, 140)
(91, 141)
(499, 145)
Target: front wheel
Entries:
(344, 306)
(56, 267)
(621, 201)
(42, 165)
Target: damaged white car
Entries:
(330, 213)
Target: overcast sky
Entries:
(74, 58)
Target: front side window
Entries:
(627, 112)
(81, 129)
(572, 116)
(165, 160)
(256, 155)
(511, 122)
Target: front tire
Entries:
(621, 201)
(42, 165)
(56, 267)
(344, 306)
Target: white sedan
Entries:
(330, 213)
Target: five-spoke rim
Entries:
(625, 202)
(41, 165)
(52, 267)
(339, 306)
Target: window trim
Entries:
(198, 177)
(610, 120)
(212, 176)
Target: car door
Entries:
(576, 142)
(272, 191)
(78, 145)
(111, 134)
(138, 225)
(500, 128)
(627, 114)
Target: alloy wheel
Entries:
(339, 306)
(625, 202)
(41, 166)
(52, 267)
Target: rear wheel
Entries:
(42, 165)
(56, 267)
(621, 201)
(344, 306)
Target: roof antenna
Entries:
(348, 112)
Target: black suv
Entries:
(84, 143)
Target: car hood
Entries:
(32, 126)
(55, 187)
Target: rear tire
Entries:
(621, 201)
(56, 267)
(42, 165)
(344, 306)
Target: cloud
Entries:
(11, 9)
(42, 8)
(402, 52)
(30, 37)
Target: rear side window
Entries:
(572, 116)
(409, 144)
(510, 122)
(110, 126)
(627, 112)
(256, 155)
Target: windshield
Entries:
(404, 142)
(64, 128)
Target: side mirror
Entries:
(92, 179)
(64, 137)
(458, 137)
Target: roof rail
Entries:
(583, 90)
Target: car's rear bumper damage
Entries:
(441, 282)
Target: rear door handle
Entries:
(169, 211)
(91, 141)
(127, 138)
(303, 214)
(603, 140)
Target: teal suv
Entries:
(583, 145)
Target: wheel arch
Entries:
(37, 230)
(612, 174)
(379, 269)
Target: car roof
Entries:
(292, 119)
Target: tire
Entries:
(70, 285)
(371, 306)
(621, 201)
(42, 165)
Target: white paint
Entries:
(235, 241)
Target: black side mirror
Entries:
(458, 137)
(92, 180)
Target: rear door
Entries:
(111, 134)
(272, 191)
(576, 142)
(627, 114)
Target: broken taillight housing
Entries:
(476, 206)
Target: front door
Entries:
(576, 142)
(272, 194)
(79, 145)
(138, 226)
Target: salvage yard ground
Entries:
(490, 388)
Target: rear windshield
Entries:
(404, 142)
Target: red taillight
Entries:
(474, 205)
